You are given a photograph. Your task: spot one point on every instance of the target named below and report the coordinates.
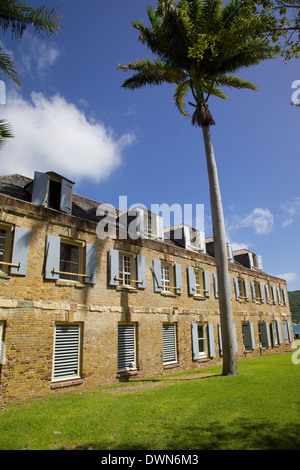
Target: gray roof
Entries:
(20, 187)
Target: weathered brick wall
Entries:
(30, 306)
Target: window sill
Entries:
(202, 359)
(126, 288)
(69, 283)
(127, 373)
(171, 365)
(3, 275)
(167, 293)
(199, 297)
(63, 383)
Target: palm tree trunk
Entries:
(221, 256)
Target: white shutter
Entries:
(169, 343)
(126, 347)
(66, 352)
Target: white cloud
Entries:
(36, 55)
(288, 276)
(54, 135)
(289, 211)
(260, 220)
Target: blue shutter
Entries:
(65, 196)
(285, 332)
(237, 291)
(235, 337)
(252, 335)
(284, 296)
(141, 271)
(178, 280)
(264, 334)
(90, 263)
(267, 294)
(52, 256)
(206, 284)
(113, 267)
(289, 332)
(157, 275)
(191, 280)
(278, 295)
(215, 281)
(268, 334)
(220, 338)
(211, 340)
(261, 290)
(274, 294)
(20, 251)
(253, 291)
(246, 290)
(279, 332)
(40, 188)
(195, 341)
(273, 332)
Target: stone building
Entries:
(79, 311)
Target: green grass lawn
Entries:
(257, 409)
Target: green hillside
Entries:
(294, 298)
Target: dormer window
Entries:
(140, 223)
(187, 237)
(53, 191)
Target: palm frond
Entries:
(5, 132)
(179, 97)
(17, 16)
(8, 67)
(150, 73)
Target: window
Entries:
(199, 284)
(70, 259)
(264, 336)
(248, 336)
(138, 222)
(276, 333)
(3, 234)
(66, 364)
(126, 346)
(167, 277)
(169, 343)
(281, 296)
(270, 294)
(52, 190)
(148, 230)
(241, 289)
(14, 246)
(203, 340)
(126, 269)
(186, 236)
(287, 332)
(257, 292)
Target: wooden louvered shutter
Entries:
(66, 352)
(126, 347)
(90, 263)
(20, 251)
(169, 343)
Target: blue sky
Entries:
(73, 117)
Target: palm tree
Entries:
(198, 44)
(16, 17)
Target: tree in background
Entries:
(17, 17)
(199, 44)
(281, 21)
